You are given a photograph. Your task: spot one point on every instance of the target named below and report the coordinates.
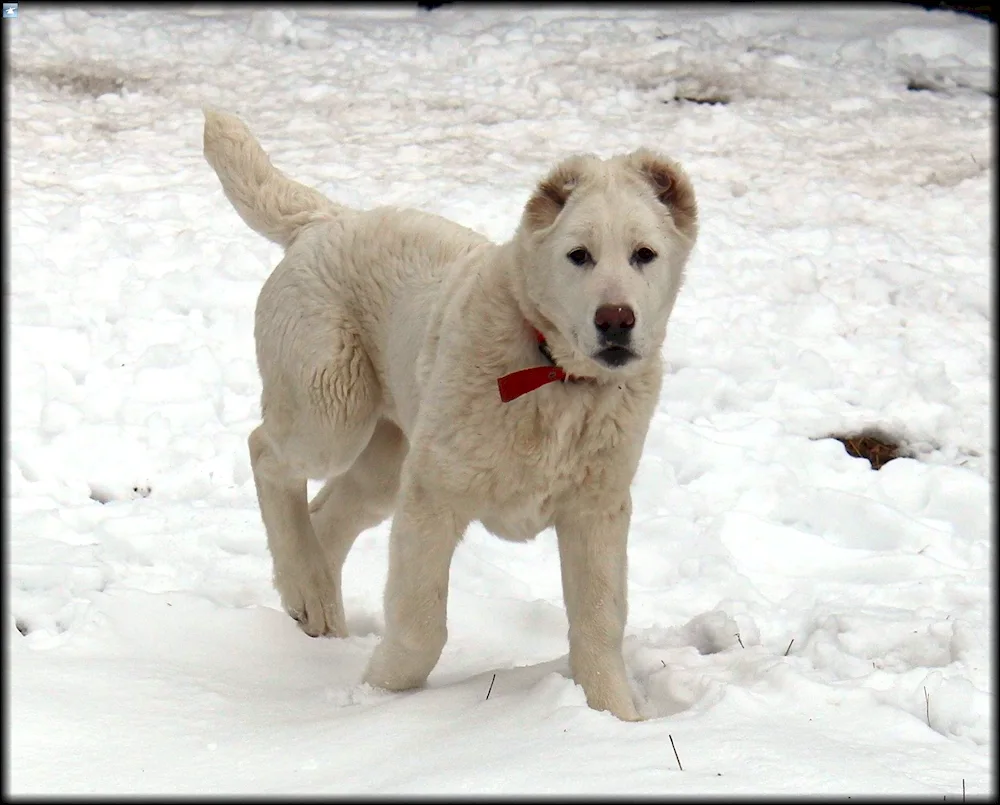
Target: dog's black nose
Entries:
(615, 323)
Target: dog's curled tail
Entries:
(268, 201)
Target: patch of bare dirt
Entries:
(89, 80)
(873, 444)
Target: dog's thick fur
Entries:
(380, 337)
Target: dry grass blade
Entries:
(674, 747)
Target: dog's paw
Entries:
(621, 708)
(606, 688)
(393, 682)
(630, 715)
(312, 600)
(395, 668)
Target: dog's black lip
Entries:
(615, 356)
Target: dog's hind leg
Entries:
(302, 575)
(320, 404)
(360, 498)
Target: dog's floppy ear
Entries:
(672, 188)
(550, 197)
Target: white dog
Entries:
(430, 375)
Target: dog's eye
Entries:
(643, 255)
(579, 256)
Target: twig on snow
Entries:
(678, 757)
(927, 706)
(740, 641)
(789, 646)
(491, 687)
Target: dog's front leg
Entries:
(421, 544)
(592, 555)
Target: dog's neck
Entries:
(513, 385)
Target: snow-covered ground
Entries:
(799, 622)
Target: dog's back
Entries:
(345, 272)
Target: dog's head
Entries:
(602, 247)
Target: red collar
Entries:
(521, 382)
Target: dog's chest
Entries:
(542, 465)
(521, 520)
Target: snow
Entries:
(799, 623)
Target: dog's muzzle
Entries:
(614, 325)
(615, 357)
